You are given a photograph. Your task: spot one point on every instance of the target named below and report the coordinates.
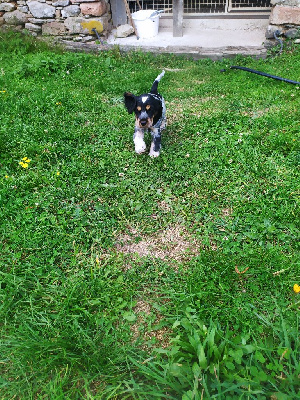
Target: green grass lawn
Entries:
(127, 277)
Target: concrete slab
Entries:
(203, 38)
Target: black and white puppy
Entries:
(150, 115)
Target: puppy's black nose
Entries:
(143, 122)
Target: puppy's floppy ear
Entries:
(130, 101)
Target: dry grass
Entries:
(158, 336)
(256, 113)
(172, 243)
(196, 106)
(226, 212)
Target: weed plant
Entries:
(126, 277)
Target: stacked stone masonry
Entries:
(71, 19)
(75, 19)
(284, 21)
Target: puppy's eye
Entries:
(139, 108)
(148, 107)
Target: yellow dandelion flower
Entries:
(296, 288)
(57, 173)
(2, 91)
(6, 176)
(25, 162)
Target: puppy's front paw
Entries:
(140, 145)
(152, 152)
(140, 148)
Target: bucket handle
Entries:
(156, 13)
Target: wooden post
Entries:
(177, 18)
(130, 18)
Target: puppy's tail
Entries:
(156, 82)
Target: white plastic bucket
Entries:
(146, 27)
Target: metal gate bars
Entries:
(204, 6)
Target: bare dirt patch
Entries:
(164, 205)
(140, 329)
(196, 106)
(173, 243)
(169, 243)
(226, 212)
(256, 113)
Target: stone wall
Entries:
(75, 19)
(284, 21)
(70, 19)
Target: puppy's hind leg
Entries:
(138, 139)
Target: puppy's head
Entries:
(147, 108)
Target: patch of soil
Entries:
(161, 335)
(172, 243)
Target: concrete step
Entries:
(222, 23)
(214, 38)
